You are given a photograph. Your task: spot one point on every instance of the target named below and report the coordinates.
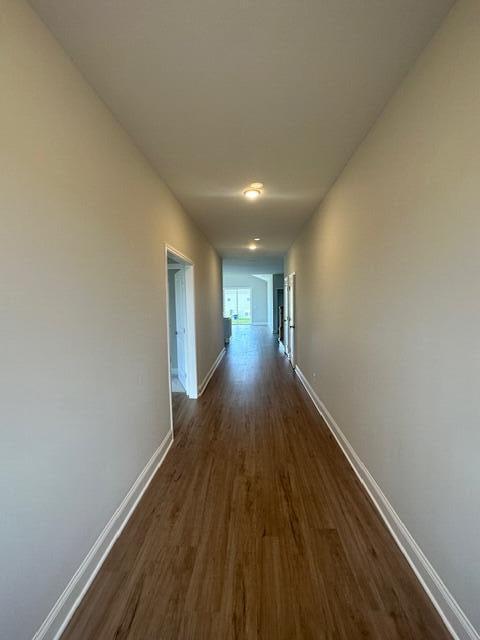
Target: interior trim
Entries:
(210, 373)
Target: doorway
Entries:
(237, 305)
(289, 318)
(278, 313)
(181, 324)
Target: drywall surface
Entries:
(254, 264)
(388, 304)
(83, 378)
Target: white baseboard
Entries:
(210, 373)
(451, 613)
(58, 618)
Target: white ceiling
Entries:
(219, 93)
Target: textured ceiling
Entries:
(220, 93)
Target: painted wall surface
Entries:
(388, 304)
(83, 328)
(254, 264)
(268, 278)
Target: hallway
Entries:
(254, 527)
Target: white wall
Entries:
(388, 315)
(254, 263)
(83, 329)
(268, 278)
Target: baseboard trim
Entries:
(210, 373)
(63, 610)
(449, 610)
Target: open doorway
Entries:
(181, 324)
(237, 305)
(278, 313)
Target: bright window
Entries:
(237, 305)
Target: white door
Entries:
(286, 331)
(291, 318)
(181, 329)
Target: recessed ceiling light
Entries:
(252, 247)
(257, 239)
(252, 194)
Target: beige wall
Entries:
(83, 375)
(388, 316)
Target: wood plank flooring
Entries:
(254, 527)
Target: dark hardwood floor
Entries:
(254, 527)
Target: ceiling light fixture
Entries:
(257, 239)
(252, 194)
(254, 190)
(252, 247)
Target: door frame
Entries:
(285, 315)
(292, 320)
(180, 294)
(190, 325)
(277, 290)
(289, 326)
